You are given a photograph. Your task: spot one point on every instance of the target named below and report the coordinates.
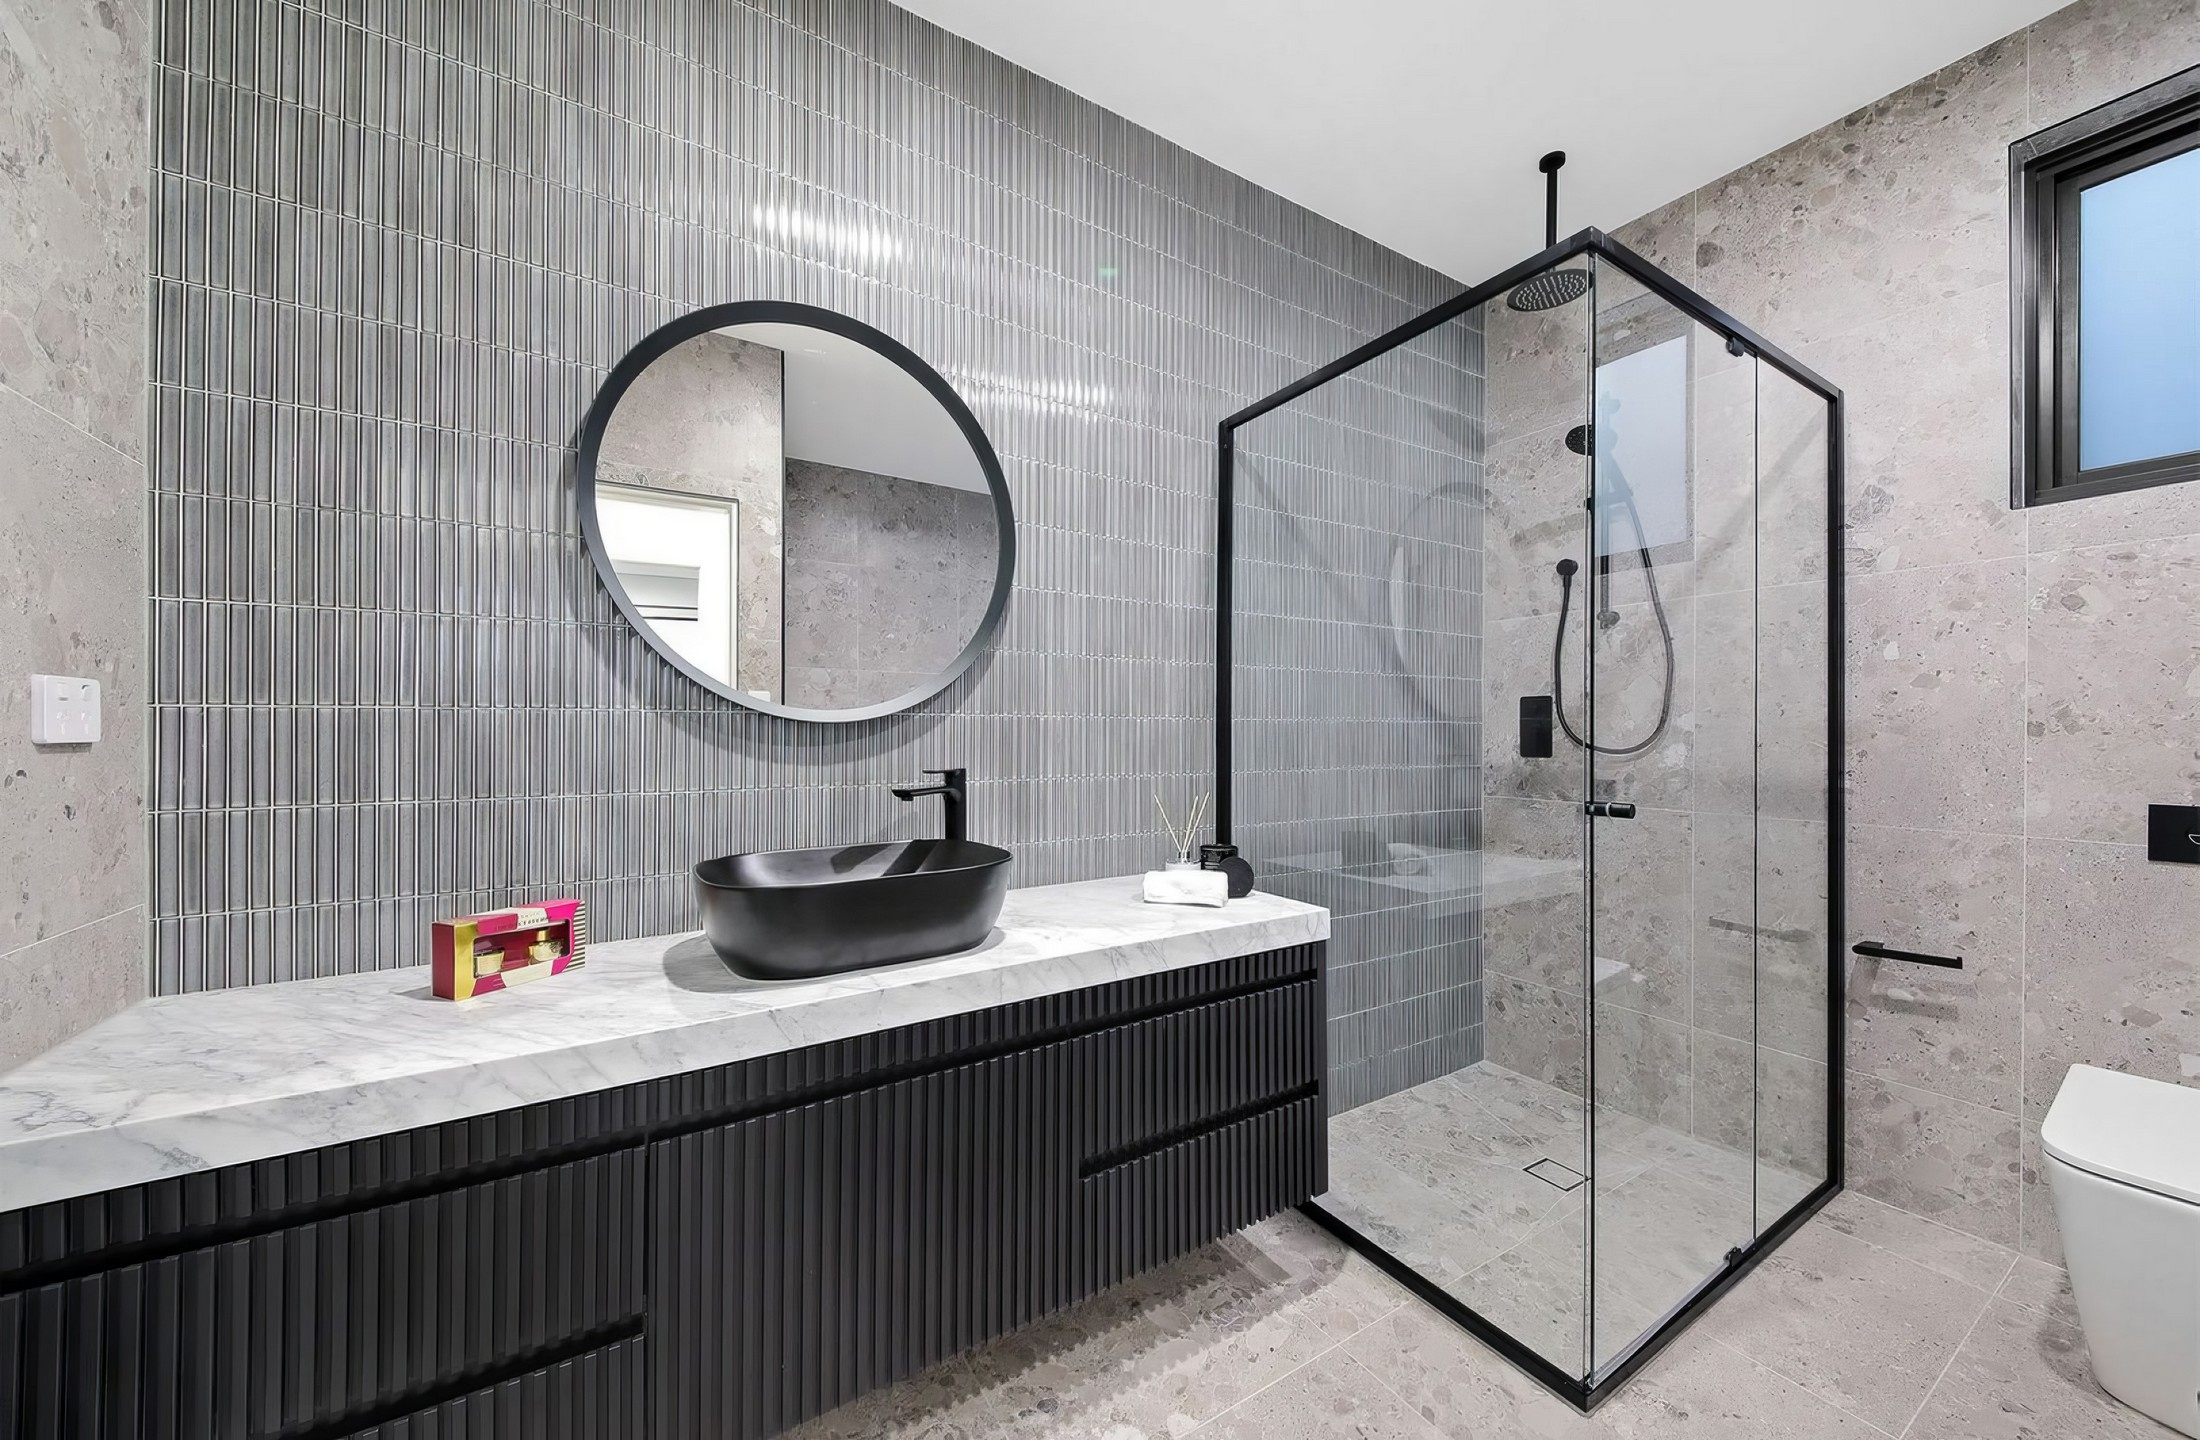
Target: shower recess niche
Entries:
(1529, 645)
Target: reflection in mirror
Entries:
(676, 556)
(796, 516)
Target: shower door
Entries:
(1707, 910)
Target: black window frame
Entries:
(2046, 172)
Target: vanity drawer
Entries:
(599, 1394)
(298, 1326)
(1146, 1085)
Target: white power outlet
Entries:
(64, 710)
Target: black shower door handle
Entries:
(1609, 809)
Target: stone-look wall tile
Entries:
(1516, 661)
(1533, 874)
(1753, 1098)
(1641, 904)
(2090, 53)
(1900, 204)
(2155, 513)
(1876, 249)
(1936, 683)
(51, 990)
(1731, 547)
(1534, 519)
(1935, 1156)
(1794, 643)
(2112, 966)
(1666, 237)
(1537, 368)
(1536, 1031)
(2039, 1234)
(1796, 497)
(1957, 1032)
(1760, 931)
(72, 529)
(1794, 917)
(2112, 687)
(72, 213)
(1926, 453)
(906, 602)
(1627, 665)
(1642, 1067)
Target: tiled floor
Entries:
(1870, 1323)
(1440, 1176)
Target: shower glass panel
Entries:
(1796, 804)
(1527, 636)
(1673, 892)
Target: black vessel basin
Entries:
(791, 914)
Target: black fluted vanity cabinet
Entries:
(717, 1254)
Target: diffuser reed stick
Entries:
(1182, 842)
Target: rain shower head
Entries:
(1552, 288)
(1549, 290)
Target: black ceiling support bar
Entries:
(1549, 165)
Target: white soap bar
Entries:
(1187, 887)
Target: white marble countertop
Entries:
(194, 1082)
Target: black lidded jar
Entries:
(1226, 859)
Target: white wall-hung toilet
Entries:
(2123, 1161)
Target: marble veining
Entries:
(193, 1082)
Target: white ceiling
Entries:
(1419, 122)
(844, 404)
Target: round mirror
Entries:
(796, 511)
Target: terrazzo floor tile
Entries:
(2022, 1375)
(1335, 1398)
(1700, 1389)
(2037, 1285)
(1869, 1324)
(1859, 1326)
(1460, 1386)
(1976, 1262)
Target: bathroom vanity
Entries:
(648, 1197)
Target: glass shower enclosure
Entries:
(1529, 650)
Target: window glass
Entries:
(2139, 314)
(1642, 450)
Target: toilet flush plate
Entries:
(2173, 834)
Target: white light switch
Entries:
(64, 710)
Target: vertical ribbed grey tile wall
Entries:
(397, 247)
(1357, 714)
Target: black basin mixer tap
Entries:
(951, 793)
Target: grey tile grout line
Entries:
(1428, 1425)
(81, 926)
(2024, 854)
(1826, 1400)
(143, 462)
(1246, 1399)
(1956, 1354)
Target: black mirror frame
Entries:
(784, 312)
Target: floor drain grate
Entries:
(1550, 1172)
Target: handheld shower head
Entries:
(1566, 569)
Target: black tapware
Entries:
(793, 914)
